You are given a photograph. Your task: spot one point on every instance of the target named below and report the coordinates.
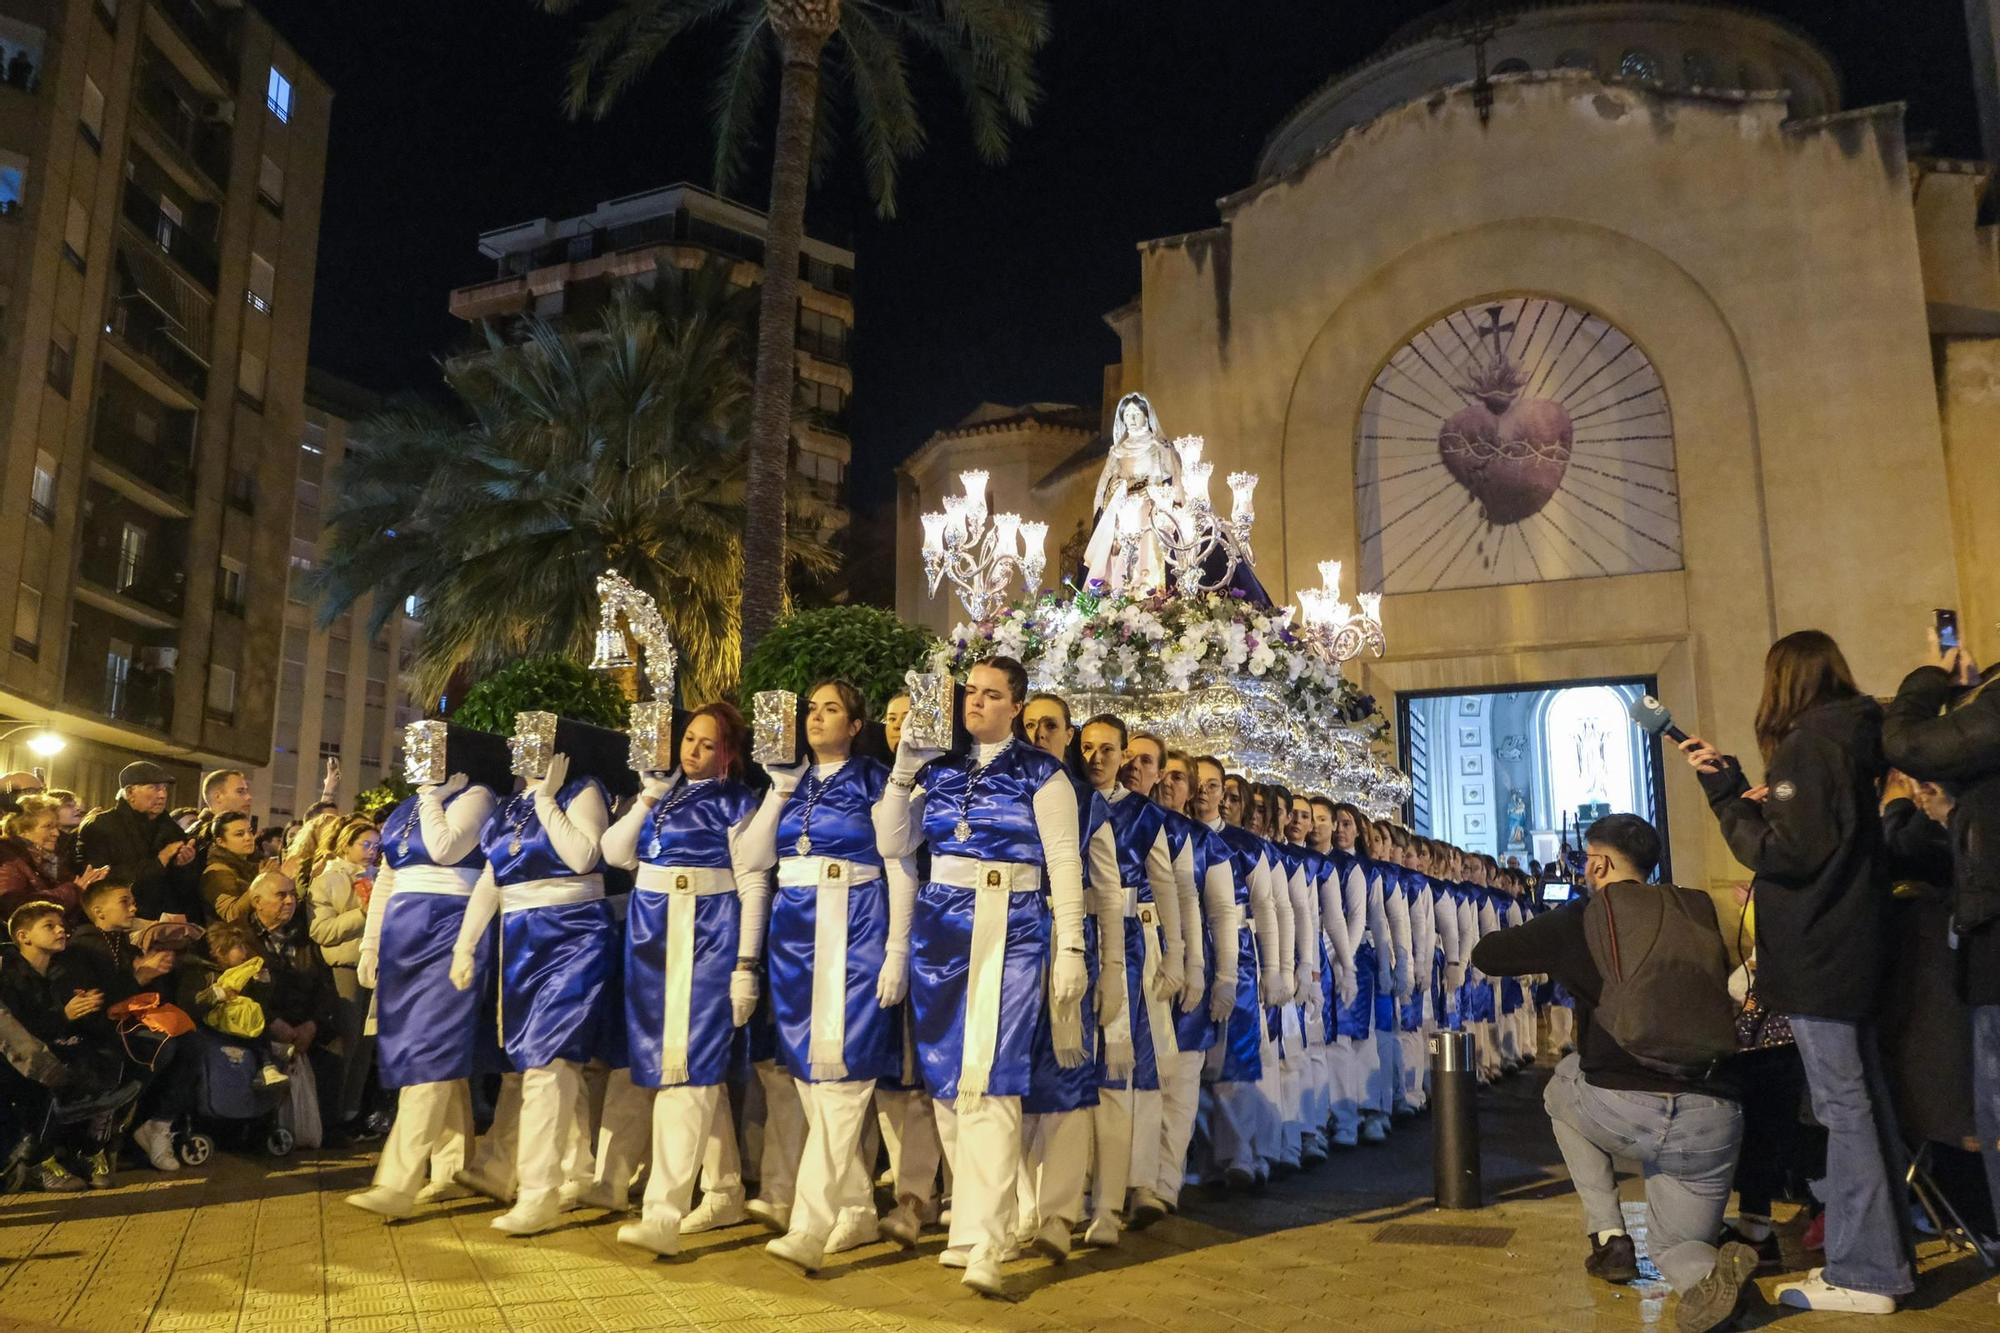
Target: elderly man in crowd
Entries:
(143, 846)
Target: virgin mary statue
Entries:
(1141, 479)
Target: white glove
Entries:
(785, 777)
(1191, 992)
(1222, 1000)
(1111, 993)
(892, 983)
(742, 996)
(1119, 1061)
(451, 786)
(1168, 982)
(655, 786)
(1070, 980)
(1345, 987)
(1315, 1002)
(364, 969)
(1303, 983)
(551, 784)
(1273, 987)
(461, 971)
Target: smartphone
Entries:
(1947, 627)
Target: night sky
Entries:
(992, 282)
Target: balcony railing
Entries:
(146, 329)
(204, 144)
(206, 32)
(157, 581)
(189, 249)
(144, 697)
(163, 465)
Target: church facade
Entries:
(1614, 365)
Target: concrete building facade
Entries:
(1732, 348)
(160, 173)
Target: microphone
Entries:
(1653, 718)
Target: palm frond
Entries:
(885, 110)
(739, 93)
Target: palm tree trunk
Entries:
(800, 46)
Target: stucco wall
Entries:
(1769, 271)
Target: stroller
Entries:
(87, 1119)
(229, 1093)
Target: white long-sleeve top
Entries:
(1305, 918)
(1333, 924)
(899, 826)
(1103, 853)
(1286, 958)
(575, 832)
(1263, 908)
(753, 850)
(1423, 939)
(1160, 878)
(1194, 949)
(1396, 910)
(449, 832)
(1444, 908)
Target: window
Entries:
(168, 225)
(76, 234)
(329, 749)
(825, 401)
(13, 184)
(263, 278)
(271, 185)
(822, 335)
(221, 693)
(91, 121)
(117, 671)
(1639, 63)
(28, 621)
(413, 607)
(335, 689)
(62, 361)
(230, 585)
(278, 95)
(250, 373)
(42, 493)
(131, 555)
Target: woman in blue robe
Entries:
(838, 957)
(542, 878)
(999, 822)
(693, 933)
(427, 1030)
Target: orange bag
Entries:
(144, 1015)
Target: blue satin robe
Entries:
(1136, 824)
(1051, 1088)
(1243, 1060)
(555, 961)
(1194, 1030)
(1410, 884)
(1356, 1020)
(693, 833)
(426, 1029)
(1002, 820)
(843, 828)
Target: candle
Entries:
(1006, 527)
(1196, 475)
(1033, 537)
(1241, 487)
(933, 533)
(1329, 577)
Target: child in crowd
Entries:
(107, 946)
(237, 1000)
(50, 996)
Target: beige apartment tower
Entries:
(160, 174)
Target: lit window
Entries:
(221, 692)
(413, 607)
(42, 493)
(278, 95)
(1588, 735)
(263, 279)
(92, 116)
(1639, 63)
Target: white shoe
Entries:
(661, 1238)
(959, 1256)
(603, 1194)
(572, 1195)
(984, 1278)
(534, 1211)
(776, 1216)
(480, 1183)
(383, 1202)
(443, 1191)
(1052, 1240)
(851, 1231)
(156, 1139)
(1147, 1208)
(1102, 1232)
(1816, 1293)
(797, 1248)
(901, 1226)
(718, 1208)
(1373, 1130)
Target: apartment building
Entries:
(161, 165)
(567, 269)
(339, 691)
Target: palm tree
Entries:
(986, 46)
(619, 446)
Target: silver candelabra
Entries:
(981, 557)
(1192, 534)
(1338, 631)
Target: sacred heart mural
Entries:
(1515, 441)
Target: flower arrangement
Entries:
(1162, 643)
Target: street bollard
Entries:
(1454, 1121)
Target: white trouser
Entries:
(551, 1097)
(1387, 1074)
(1239, 1110)
(493, 1155)
(1268, 1131)
(1354, 1061)
(1114, 1130)
(832, 1179)
(910, 1134)
(721, 1163)
(1148, 1112)
(1291, 1087)
(1510, 1036)
(985, 1148)
(624, 1133)
(684, 1121)
(1314, 1102)
(1413, 1056)
(1055, 1167)
(1180, 1098)
(429, 1138)
(784, 1134)
(1561, 1028)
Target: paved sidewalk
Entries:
(1352, 1245)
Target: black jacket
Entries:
(1816, 848)
(130, 844)
(1960, 750)
(1554, 942)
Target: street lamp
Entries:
(45, 744)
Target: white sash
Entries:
(558, 892)
(826, 1048)
(1159, 1016)
(451, 881)
(994, 883)
(681, 885)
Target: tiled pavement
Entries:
(241, 1248)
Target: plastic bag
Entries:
(240, 1017)
(300, 1111)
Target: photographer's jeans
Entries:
(1686, 1145)
(1986, 1088)
(1869, 1242)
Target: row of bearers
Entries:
(935, 938)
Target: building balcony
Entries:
(204, 31)
(163, 467)
(196, 143)
(194, 253)
(117, 677)
(155, 582)
(152, 337)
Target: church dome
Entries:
(1679, 45)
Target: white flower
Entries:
(1261, 660)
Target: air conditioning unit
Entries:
(159, 659)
